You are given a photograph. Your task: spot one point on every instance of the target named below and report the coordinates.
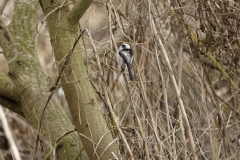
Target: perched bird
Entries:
(125, 57)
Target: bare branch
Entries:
(9, 135)
(2, 7)
(78, 10)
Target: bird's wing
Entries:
(126, 57)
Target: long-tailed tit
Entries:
(125, 57)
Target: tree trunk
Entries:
(87, 117)
(24, 89)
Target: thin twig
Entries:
(115, 119)
(9, 135)
(138, 120)
(176, 88)
(55, 86)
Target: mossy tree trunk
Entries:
(87, 117)
(24, 89)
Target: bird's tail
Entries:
(130, 73)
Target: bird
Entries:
(125, 58)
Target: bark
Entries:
(24, 89)
(87, 117)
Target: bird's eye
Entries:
(123, 45)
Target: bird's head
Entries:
(125, 46)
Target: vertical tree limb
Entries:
(79, 93)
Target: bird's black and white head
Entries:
(125, 46)
(125, 58)
(125, 55)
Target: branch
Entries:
(9, 135)
(7, 39)
(177, 91)
(2, 7)
(78, 10)
(23, 31)
(102, 49)
(79, 95)
(114, 116)
(7, 87)
(66, 61)
(11, 105)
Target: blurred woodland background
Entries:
(184, 102)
